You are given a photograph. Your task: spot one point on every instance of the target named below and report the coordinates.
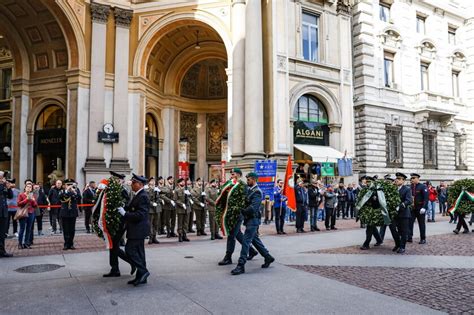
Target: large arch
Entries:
(325, 95)
(38, 109)
(162, 26)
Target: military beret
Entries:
(138, 178)
(160, 177)
(371, 178)
(118, 175)
(252, 175)
(400, 175)
(198, 179)
(237, 170)
(150, 179)
(363, 177)
(180, 180)
(415, 175)
(169, 177)
(212, 181)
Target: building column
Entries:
(237, 130)
(122, 119)
(253, 81)
(21, 169)
(95, 150)
(335, 136)
(201, 170)
(168, 156)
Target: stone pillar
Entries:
(335, 136)
(254, 81)
(21, 100)
(201, 170)
(95, 150)
(122, 121)
(237, 130)
(169, 161)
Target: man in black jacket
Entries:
(137, 225)
(69, 197)
(5, 193)
(404, 213)
(314, 201)
(420, 204)
(88, 197)
(55, 202)
(302, 203)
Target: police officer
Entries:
(212, 193)
(420, 204)
(251, 215)
(154, 210)
(167, 194)
(198, 197)
(135, 215)
(5, 193)
(404, 213)
(70, 197)
(183, 209)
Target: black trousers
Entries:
(115, 252)
(462, 223)
(330, 217)
(3, 232)
(369, 231)
(39, 222)
(350, 207)
(300, 214)
(135, 251)
(280, 214)
(415, 215)
(403, 230)
(87, 218)
(11, 216)
(69, 231)
(341, 207)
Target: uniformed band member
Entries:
(115, 252)
(420, 204)
(135, 215)
(212, 193)
(404, 210)
(183, 209)
(70, 196)
(251, 216)
(168, 196)
(155, 210)
(198, 197)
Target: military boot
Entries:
(226, 261)
(218, 237)
(213, 237)
(180, 237)
(185, 238)
(203, 233)
(168, 234)
(268, 260)
(240, 269)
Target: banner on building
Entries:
(310, 133)
(266, 171)
(327, 169)
(183, 170)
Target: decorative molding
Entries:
(187, 129)
(145, 21)
(215, 132)
(343, 6)
(123, 17)
(282, 63)
(5, 53)
(99, 12)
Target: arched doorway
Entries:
(50, 144)
(5, 146)
(151, 147)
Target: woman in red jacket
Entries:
(26, 199)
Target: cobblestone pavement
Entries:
(439, 245)
(53, 244)
(447, 290)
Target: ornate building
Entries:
(413, 87)
(93, 86)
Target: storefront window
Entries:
(310, 109)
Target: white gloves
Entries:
(203, 194)
(191, 202)
(157, 190)
(186, 192)
(154, 204)
(173, 203)
(422, 211)
(121, 210)
(201, 204)
(398, 208)
(145, 187)
(162, 202)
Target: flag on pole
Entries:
(289, 186)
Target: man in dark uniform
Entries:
(404, 213)
(302, 202)
(5, 193)
(420, 204)
(88, 197)
(115, 252)
(137, 225)
(251, 215)
(68, 213)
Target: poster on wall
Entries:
(266, 171)
(183, 170)
(327, 169)
(311, 133)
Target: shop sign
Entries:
(310, 133)
(50, 140)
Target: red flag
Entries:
(289, 186)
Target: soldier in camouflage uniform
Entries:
(168, 196)
(212, 193)
(183, 209)
(160, 182)
(154, 210)
(198, 197)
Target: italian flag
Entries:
(463, 193)
(101, 206)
